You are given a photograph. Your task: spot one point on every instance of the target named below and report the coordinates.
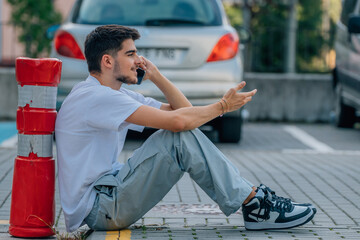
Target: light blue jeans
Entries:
(155, 168)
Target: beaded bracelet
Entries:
(227, 106)
(222, 107)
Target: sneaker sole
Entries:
(256, 226)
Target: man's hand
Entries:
(174, 96)
(152, 72)
(234, 100)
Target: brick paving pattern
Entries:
(331, 181)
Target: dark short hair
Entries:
(106, 39)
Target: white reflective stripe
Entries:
(37, 144)
(37, 96)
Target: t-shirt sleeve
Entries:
(109, 109)
(144, 100)
(139, 97)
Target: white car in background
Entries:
(190, 41)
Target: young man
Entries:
(90, 132)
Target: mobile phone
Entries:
(140, 75)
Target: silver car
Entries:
(190, 41)
(346, 75)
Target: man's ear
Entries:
(107, 61)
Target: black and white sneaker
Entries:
(265, 212)
(275, 197)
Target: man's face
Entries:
(126, 63)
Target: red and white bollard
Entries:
(32, 212)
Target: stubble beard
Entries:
(122, 78)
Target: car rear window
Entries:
(148, 12)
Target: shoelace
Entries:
(272, 202)
(282, 205)
(273, 195)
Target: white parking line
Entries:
(308, 140)
(314, 152)
(10, 142)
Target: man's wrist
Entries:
(156, 77)
(222, 108)
(226, 105)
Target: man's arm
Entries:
(174, 96)
(187, 118)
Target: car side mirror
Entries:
(50, 32)
(244, 35)
(354, 24)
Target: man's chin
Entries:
(127, 80)
(133, 82)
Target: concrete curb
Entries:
(290, 97)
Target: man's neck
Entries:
(106, 81)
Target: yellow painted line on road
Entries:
(112, 235)
(125, 234)
(4, 222)
(121, 235)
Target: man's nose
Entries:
(137, 59)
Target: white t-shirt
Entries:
(90, 133)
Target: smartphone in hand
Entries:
(140, 75)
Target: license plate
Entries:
(166, 56)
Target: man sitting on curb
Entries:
(90, 132)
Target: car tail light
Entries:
(66, 45)
(225, 48)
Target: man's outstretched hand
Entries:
(234, 100)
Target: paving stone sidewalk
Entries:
(331, 181)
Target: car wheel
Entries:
(344, 115)
(229, 129)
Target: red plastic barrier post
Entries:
(32, 212)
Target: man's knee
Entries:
(166, 138)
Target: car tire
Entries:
(229, 129)
(345, 116)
